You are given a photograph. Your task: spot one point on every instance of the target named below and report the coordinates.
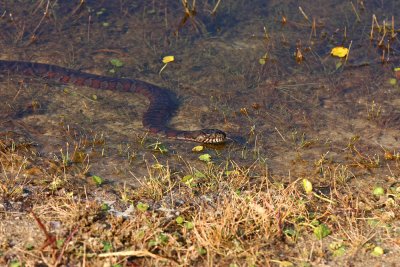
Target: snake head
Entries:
(211, 136)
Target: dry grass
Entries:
(224, 219)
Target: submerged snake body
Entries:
(163, 102)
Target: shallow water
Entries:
(287, 114)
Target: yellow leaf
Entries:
(339, 51)
(378, 251)
(168, 59)
(197, 148)
(307, 185)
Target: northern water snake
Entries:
(163, 102)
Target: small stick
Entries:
(78, 7)
(313, 29)
(41, 20)
(304, 14)
(393, 34)
(347, 56)
(283, 138)
(215, 8)
(88, 27)
(355, 11)
(50, 239)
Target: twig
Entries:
(65, 245)
(135, 253)
(215, 8)
(41, 20)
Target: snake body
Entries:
(163, 102)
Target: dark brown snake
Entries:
(163, 102)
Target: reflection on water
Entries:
(263, 73)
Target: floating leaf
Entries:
(205, 157)
(158, 146)
(264, 59)
(168, 59)
(307, 185)
(339, 51)
(116, 62)
(197, 148)
(393, 81)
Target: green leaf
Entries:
(153, 243)
(189, 180)
(105, 207)
(290, 232)
(15, 263)
(189, 225)
(163, 238)
(179, 220)
(321, 231)
(142, 206)
(60, 243)
(107, 246)
(158, 146)
(199, 174)
(202, 251)
(29, 246)
(337, 248)
(97, 180)
(116, 62)
(205, 157)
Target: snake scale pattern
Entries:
(163, 102)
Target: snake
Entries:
(162, 107)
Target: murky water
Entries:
(295, 107)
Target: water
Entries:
(292, 116)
